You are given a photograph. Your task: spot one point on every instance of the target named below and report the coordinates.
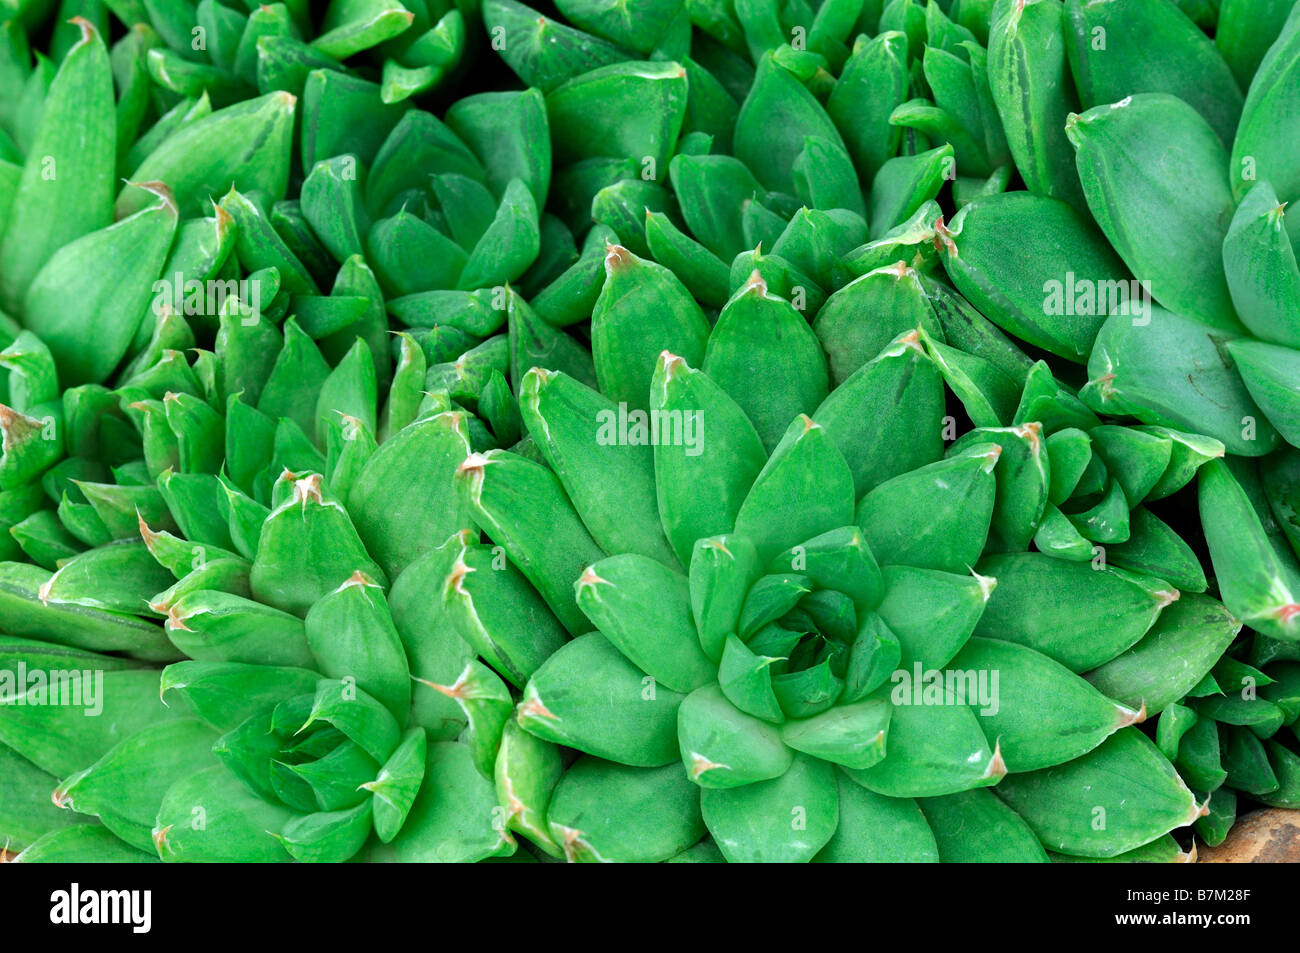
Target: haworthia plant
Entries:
(808, 431)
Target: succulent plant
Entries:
(1228, 735)
(254, 733)
(764, 656)
(766, 431)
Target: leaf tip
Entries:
(986, 584)
(164, 193)
(455, 581)
(943, 239)
(1166, 597)
(997, 768)
(1031, 433)
(88, 30)
(700, 765)
(358, 580)
(670, 364)
(589, 580)
(755, 285)
(473, 464)
(532, 707)
(617, 258)
(1127, 716)
(160, 839)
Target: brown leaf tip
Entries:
(1105, 385)
(473, 464)
(456, 578)
(672, 364)
(532, 707)
(1032, 434)
(146, 534)
(10, 419)
(616, 258)
(358, 580)
(175, 621)
(453, 420)
(589, 578)
(572, 843)
(225, 221)
(912, 341)
(1127, 716)
(515, 808)
(755, 285)
(991, 457)
(536, 380)
(1165, 597)
(700, 764)
(308, 489)
(162, 190)
(719, 545)
(459, 689)
(88, 31)
(943, 238)
(997, 769)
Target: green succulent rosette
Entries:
(295, 729)
(748, 668)
(695, 453)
